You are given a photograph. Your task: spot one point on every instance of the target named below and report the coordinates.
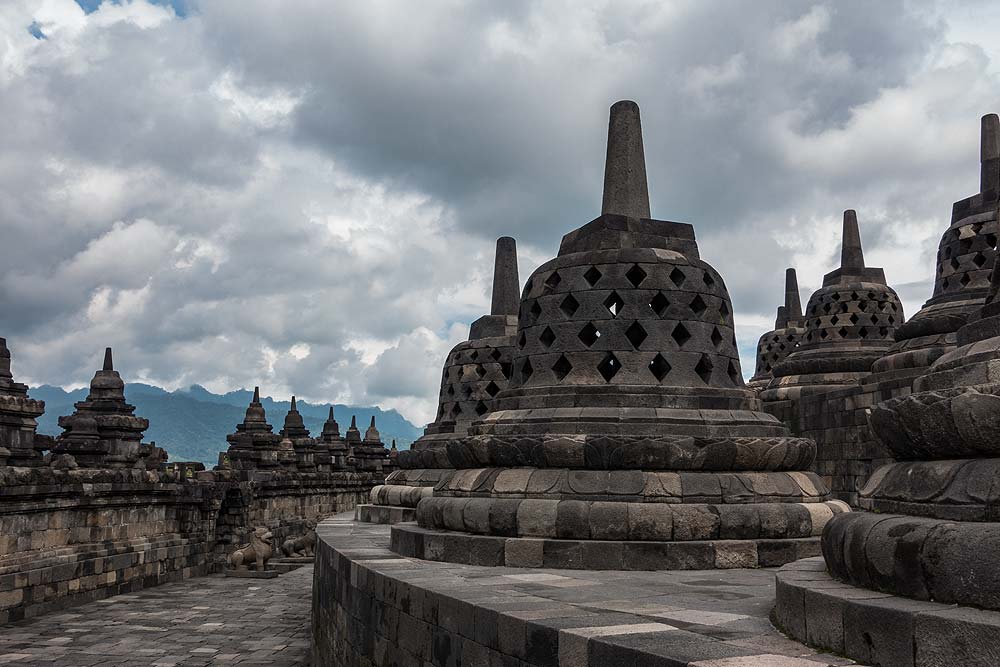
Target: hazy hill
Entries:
(192, 424)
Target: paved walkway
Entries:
(206, 621)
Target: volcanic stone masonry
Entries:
(104, 513)
(475, 371)
(775, 345)
(626, 438)
(932, 532)
(837, 418)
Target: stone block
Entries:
(523, 552)
(537, 518)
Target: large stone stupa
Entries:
(626, 438)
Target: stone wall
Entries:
(73, 536)
(847, 452)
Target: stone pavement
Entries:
(214, 620)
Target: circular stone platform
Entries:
(588, 554)
(878, 628)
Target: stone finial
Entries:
(256, 395)
(793, 306)
(989, 154)
(851, 255)
(781, 320)
(625, 189)
(506, 287)
(292, 408)
(108, 363)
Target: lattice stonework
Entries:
(965, 254)
(857, 312)
(668, 322)
(775, 346)
(474, 373)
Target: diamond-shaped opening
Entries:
(708, 279)
(854, 296)
(474, 355)
(947, 252)
(659, 367)
(492, 389)
(456, 410)
(609, 367)
(521, 341)
(569, 305)
(451, 390)
(844, 307)
(862, 305)
(717, 338)
(827, 307)
(480, 371)
(507, 369)
(843, 332)
(698, 305)
(614, 304)
(836, 296)
(553, 280)
(854, 318)
(977, 227)
(467, 391)
(809, 336)
(635, 275)
(944, 283)
(883, 331)
(734, 373)
(704, 368)
(659, 304)
(954, 263)
(874, 319)
(818, 322)
(991, 240)
(526, 370)
(723, 310)
(965, 279)
(547, 337)
(562, 367)
(979, 259)
(636, 334)
(769, 347)
(834, 319)
(892, 320)
(677, 276)
(535, 310)
(823, 334)
(592, 276)
(496, 354)
(965, 245)
(894, 306)
(863, 332)
(588, 334)
(481, 408)
(680, 334)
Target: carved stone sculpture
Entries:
(302, 546)
(258, 551)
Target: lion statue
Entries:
(258, 551)
(299, 547)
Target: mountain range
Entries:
(192, 424)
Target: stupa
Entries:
(367, 454)
(475, 372)
(933, 527)
(18, 413)
(775, 345)
(253, 445)
(965, 258)
(331, 449)
(627, 438)
(302, 444)
(849, 323)
(103, 432)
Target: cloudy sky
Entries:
(305, 195)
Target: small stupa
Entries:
(777, 344)
(303, 445)
(18, 413)
(253, 445)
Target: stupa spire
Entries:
(851, 254)
(256, 395)
(108, 362)
(989, 154)
(506, 288)
(292, 409)
(625, 189)
(793, 306)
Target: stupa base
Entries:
(488, 550)
(879, 628)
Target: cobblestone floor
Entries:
(199, 622)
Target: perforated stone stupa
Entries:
(775, 345)
(849, 323)
(626, 438)
(18, 413)
(965, 257)
(103, 432)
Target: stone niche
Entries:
(626, 438)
